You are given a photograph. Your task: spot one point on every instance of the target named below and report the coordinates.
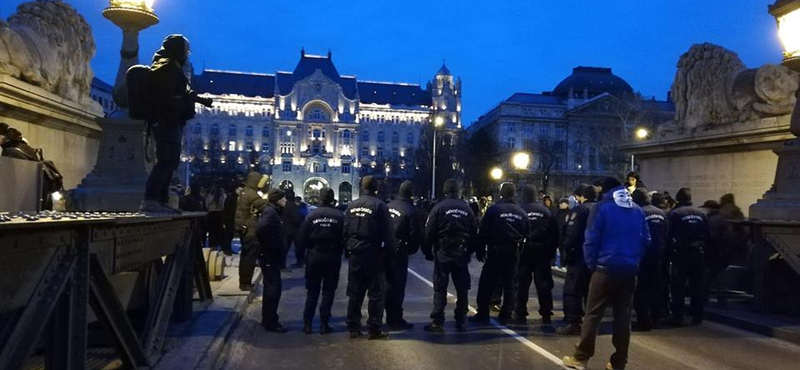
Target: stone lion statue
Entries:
(712, 87)
(48, 44)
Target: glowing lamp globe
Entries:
(438, 121)
(642, 133)
(135, 15)
(787, 14)
(496, 173)
(521, 160)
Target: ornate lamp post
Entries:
(787, 14)
(131, 16)
(437, 122)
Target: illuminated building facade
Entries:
(313, 127)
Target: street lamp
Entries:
(131, 16)
(496, 173)
(521, 161)
(642, 133)
(437, 122)
(787, 14)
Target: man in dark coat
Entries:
(647, 301)
(503, 231)
(539, 250)
(272, 254)
(450, 235)
(247, 208)
(367, 235)
(173, 102)
(407, 227)
(291, 221)
(320, 235)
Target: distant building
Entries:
(572, 132)
(313, 127)
(103, 93)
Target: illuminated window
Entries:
(287, 148)
(265, 148)
(231, 145)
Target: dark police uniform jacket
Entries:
(451, 221)
(543, 239)
(688, 229)
(574, 235)
(367, 226)
(271, 236)
(504, 225)
(406, 226)
(321, 231)
(658, 226)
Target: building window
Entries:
(287, 148)
(511, 143)
(265, 132)
(215, 129)
(286, 165)
(395, 153)
(380, 153)
(365, 135)
(198, 129)
(560, 131)
(544, 129)
(317, 134)
(249, 147)
(231, 130)
(248, 131)
(345, 168)
(528, 144)
(511, 127)
(380, 136)
(395, 137)
(364, 152)
(265, 148)
(231, 145)
(346, 134)
(317, 114)
(527, 128)
(410, 138)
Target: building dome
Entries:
(595, 80)
(444, 71)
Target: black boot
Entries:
(324, 328)
(434, 328)
(377, 333)
(355, 333)
(307, 327)
(460, 326)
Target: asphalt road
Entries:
(491, 346)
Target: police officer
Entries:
(407, 227)
(272, 241)
(367, 235)
(503, 230)
(687, 238)
(320, 235)
(450, 232)
(540, 249)
(647, 300)
(576, 282)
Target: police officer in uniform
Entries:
(407, 227)
(272, 241)
(320, 235)
(503, 231)
(540, 249)
(450, 232)
(687, 238)
(576, 282)
(647, 300)
(367, 235)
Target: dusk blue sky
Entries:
(497, 47)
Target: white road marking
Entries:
(541, 351)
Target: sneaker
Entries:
(461, 327)
(307, 327)
(573, 363)
(400, 325)
(434, 328)
(569, 329)
(151, 206)
(246, 287)
(324, 328)
(275, 328)
(480, 317)
(375, 334)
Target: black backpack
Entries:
(139, 97)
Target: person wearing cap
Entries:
(450, 232)
(320, 235)
(503, 231)
(617, 237)
(407, 231)
(576, 281)
(248, 206)
(687, 243)
(272, 247)
(540, 249)
(367, 235)
(647, 300)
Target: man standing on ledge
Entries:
(272, 240)
(172, 105)
(616, 239)
(367, 236)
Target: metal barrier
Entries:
(53, 272)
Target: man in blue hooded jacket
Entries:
(616, 239)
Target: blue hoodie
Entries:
(617, 235)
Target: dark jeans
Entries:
(688, 267)
(450, 263)
(501, 264)
(647, 301)
(272, 294)
(215, 230)
(366, 276)
(299, 250)
(247, 260)
(168, 156)
(617, 292)
(396, 278)
(576, 289)
(541, 275)
(322, 274)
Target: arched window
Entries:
(365, 135)
(395, 137)
(215, 129)
(248, 131)
(265, 131)
(231, 130)
(316, 114)
(380, 136)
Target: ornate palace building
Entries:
(313, 127)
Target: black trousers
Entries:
(272, 294)
(687, 270)
(538, 272)
(366, 276)
(168, 156)
(606, 290)
(501, 264)
(450, 263)
(215, 230)
(647, 301)
(247, 260)
(396, 278)
(322, 275)
(576, 289)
